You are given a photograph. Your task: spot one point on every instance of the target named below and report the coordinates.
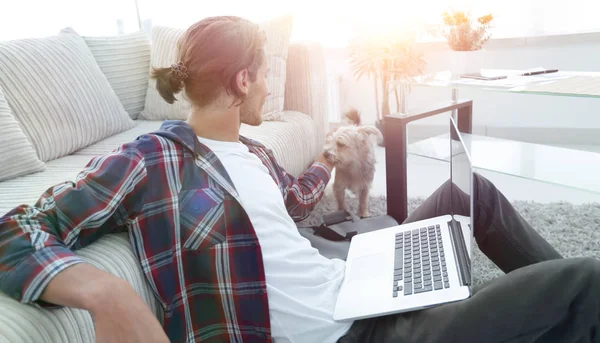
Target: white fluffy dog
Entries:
(351, 149)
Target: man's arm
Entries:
(36, 242)
(305, 192)
(119, 313)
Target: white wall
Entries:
(536, 118)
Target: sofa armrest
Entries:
(306, 85)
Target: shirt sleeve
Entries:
(37, 242)
(304, 193)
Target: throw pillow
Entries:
(125, 61)
(16, 153)
(164, 52)
(59, 95)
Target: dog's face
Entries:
(351, 143)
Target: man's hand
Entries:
(119, 314)
(322, 159)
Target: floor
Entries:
(425, 175)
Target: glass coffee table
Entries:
(550, 164)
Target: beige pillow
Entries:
(124, 60)
(59, 95)
(164, 49)
(17, 156)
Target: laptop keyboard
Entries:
(420, 262)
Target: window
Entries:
(39, 18)
(330, 22)
(333, 22)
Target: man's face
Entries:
(252, 107)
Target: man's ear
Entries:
(242, 81)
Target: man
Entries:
(211, 219)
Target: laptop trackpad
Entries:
(367, 267)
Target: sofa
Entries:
(55, 147)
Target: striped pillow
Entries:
(16, 153)
(164, 53)
(125, 61)
(59, 95)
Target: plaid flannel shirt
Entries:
(195, 243)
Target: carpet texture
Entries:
(573, 230)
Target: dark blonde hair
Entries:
(210, 54)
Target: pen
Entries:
(540, 72)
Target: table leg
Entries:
(454, 99)
(396, 169)
(464, 119)
(396, 144)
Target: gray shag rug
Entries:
(573, 230)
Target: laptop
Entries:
(417, 265)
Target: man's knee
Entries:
(589, 265)
(481, 184)
(585, 270)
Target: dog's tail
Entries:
(353, 116)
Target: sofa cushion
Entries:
(125, 61)
(28, 189)
(281, 137)
(164, 53)
(292, 140)
(111, 143)
(16, 152)
(58, 94)
(111, 253)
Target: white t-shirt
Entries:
(302, 285)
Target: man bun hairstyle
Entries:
(209, 55)
(170, 81)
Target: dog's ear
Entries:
(371, 131)
(353, 116)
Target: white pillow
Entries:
(17, 156)
(59, 95)
(164, 53)
(124, 60)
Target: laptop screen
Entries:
(461, 174)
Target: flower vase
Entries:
(463, 62)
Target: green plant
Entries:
(462, 33)
(384, 60)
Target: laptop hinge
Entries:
(461, 254)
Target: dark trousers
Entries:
(542, 297)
